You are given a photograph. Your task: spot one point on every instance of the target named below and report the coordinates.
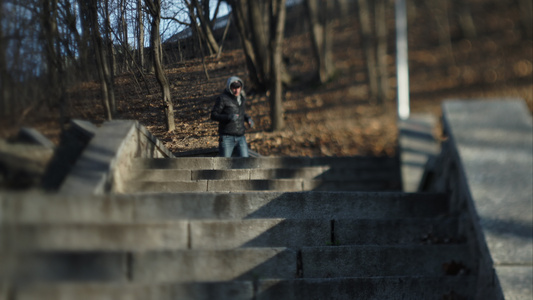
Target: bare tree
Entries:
(154, 9)
(110, 52)
(321, 36)
(367, 40)
(380, 22)
(50, 36)
(526, 10)
(252, 20)
(101, 58)
(374, 41)
(261, 28)
(278, 27)
(199, 34)
(4, 74)
(465, 18)
(205, 30)
(439, 9)
(140, 33)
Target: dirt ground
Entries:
(334, 119)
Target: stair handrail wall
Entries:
(453, 171)
(103, 166)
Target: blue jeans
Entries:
(227, 143)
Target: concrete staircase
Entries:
(256, 228)
(287, 174)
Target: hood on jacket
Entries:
(231, 80)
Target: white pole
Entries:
(402, 64)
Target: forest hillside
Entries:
(332, 119)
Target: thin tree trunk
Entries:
(124, 31)
(140, 33)
(49, 34)
(260, 39)
(239, 8)
(278, 27)
(197, 30)
(206, 28)
(85, 40)
(343, 9)
(322, 36)
(111, 66)
(226, 29)
(154, 7)
(381, 49)
(252, 19)
(369, 49)
(5, 85)
(465, 19)
(526, 10)
(101, 61)
(439, 9)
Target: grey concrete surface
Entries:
(49, 208)
(218, 163)
(103, 166)
(404, 231)
(61, 266)
(282, 185)
(371, 288)
(38, 207)
(223, 234)
(213, 265)
(92, 172)
(494, 140)
(260, 233)
(377, 288)
(96, 236)
(229, 290)
(370, 261)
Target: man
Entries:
(229, 111)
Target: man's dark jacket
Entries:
(226, 105)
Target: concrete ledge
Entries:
(103, 164)
(487, 164)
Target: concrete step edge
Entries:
(246, 263)
(208, 163)
(394, 287)
(216, 205)
(225, 234)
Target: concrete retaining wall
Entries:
(100, 169)
(487, 166)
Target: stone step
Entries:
(373, 288)
(224, 234)
(323, 173)
(370, 261)
(220, 163)
(36, 207)
(279, 185)
(236, 264)
(369, 288)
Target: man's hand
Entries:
(251, 123)
(233, 117)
